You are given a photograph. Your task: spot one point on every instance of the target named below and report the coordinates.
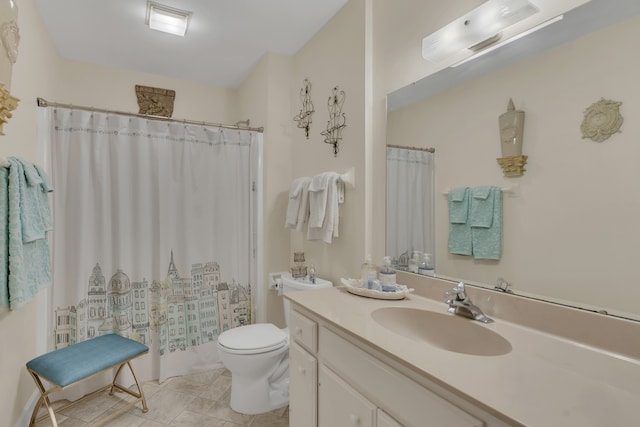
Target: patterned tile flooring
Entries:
(193, 400)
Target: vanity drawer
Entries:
(304, 331)
(405, 400)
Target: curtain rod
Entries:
(428, 150)
(44, 103)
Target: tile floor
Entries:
(193, 400)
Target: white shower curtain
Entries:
(152, 234)
(410, 197)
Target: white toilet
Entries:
(258, 357)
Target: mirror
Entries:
(569, 231)
(410, 239)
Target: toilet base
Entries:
(252, 397)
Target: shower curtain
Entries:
(152, 235)
(410, 196)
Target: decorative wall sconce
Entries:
(9, 39)
(337, 120)
(511, 132)
(304, 118)
(155, 101)
(601, 120)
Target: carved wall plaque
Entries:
(8, 103)
(601, 120)
(155, 101)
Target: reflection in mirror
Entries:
(410, 198)
(570, 234)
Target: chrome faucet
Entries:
(460, 304)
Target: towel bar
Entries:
(511, 190)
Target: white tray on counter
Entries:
(353, 286)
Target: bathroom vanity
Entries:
(365, 362)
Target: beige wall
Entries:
(334, 57)
(568, 233)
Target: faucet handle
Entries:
(458, 291)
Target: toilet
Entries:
(258, 355)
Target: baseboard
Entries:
(25, 417)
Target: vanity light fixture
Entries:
(476, 30)
(167, 19)
(512, 39)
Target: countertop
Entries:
(545, 380)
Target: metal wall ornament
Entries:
(337, 120)
(601, 120)
(304, 118)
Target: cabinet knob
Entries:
(298, 330)
(302, 371)
(355, 420)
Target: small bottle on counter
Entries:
(368, 271)
(312, 274)
(426, 265)
(387, 273)
(414, 262)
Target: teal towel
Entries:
(29, 259)
(4, 240)
(459, 205)
(481, 210)
(459, 229)
(486, 223)
(460, 242)
(35, 216)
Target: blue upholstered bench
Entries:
(67, 366)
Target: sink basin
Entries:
(443, 330)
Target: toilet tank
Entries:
(289, 284)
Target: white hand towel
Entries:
(303, 210)
(318, 190)
(328, 227)
(295, 200)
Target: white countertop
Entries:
(544, 381)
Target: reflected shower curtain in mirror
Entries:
(152, 234)
(410, 197)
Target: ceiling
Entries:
(225, 40)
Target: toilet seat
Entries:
(253, 339)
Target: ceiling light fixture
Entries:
(512, 39)
(478, 29)
(167, 19)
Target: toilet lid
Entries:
(256, 338)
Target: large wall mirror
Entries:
(570, 226)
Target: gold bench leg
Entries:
(43, 400)
(139, 395)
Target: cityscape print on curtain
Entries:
(178, 312)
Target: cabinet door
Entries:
(384, 420)
(340, 405)
(303, 386)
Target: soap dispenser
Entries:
(387, 273)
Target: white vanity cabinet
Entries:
(303, 371)
(339, 404)
(303, 387)
(339, 380)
